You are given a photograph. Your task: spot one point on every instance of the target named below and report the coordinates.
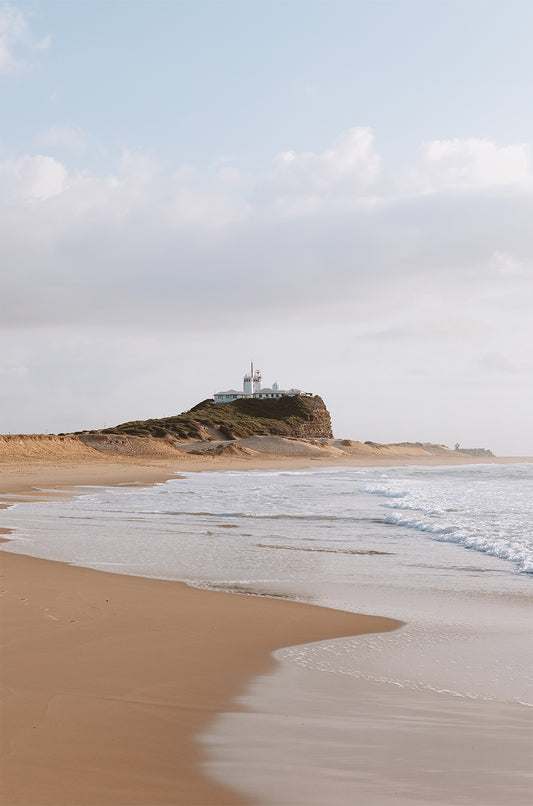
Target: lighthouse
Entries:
(252, 386)
(251, 383)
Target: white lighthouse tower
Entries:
(256, 382)
(247, 383)
(251, 383)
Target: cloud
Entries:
(471, 163)
(144, 246)
(31, 178)
(350, 168)
(17, 42)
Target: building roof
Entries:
(266, 391)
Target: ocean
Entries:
(390, 541)
(448, 550)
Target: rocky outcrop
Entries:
(299, 417)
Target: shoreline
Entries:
(85, 650)
(23, 476)
(108, 680)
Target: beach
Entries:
(112, 685)
(107, 679)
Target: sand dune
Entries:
(99, 447)
(23, 447)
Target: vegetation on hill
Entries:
(296, 416)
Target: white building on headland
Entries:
(252, 387)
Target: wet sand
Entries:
(310, 738)
(107, 679)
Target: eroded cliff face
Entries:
(317, 424)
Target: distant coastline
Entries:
(291, 425)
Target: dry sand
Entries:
(107, 679)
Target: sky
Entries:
(340, 191)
